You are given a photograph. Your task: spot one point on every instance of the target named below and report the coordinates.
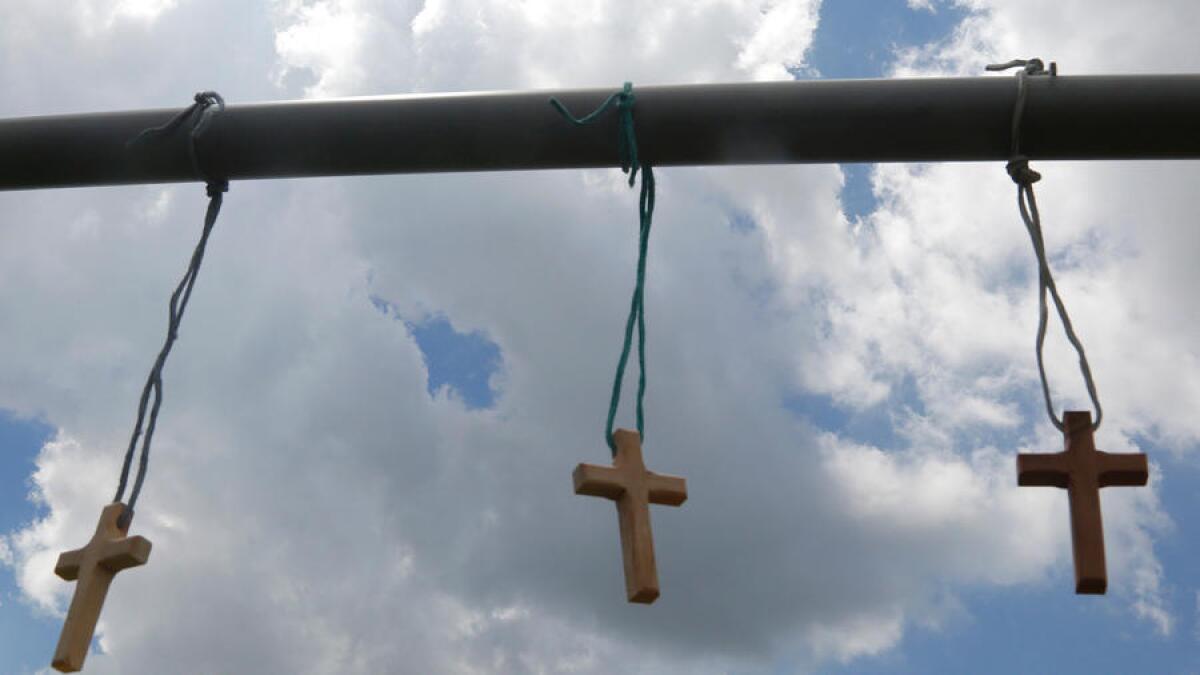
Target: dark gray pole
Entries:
(910, 120)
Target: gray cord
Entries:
(1024, 177)
(199, 113)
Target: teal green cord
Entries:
(627, 150)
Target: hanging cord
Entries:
(1024, 177)
(198, 115)
(627, 151)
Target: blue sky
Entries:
(26, 637)
(1033, 624)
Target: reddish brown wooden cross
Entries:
(633, 488)
(94, 566)
(1083, 470)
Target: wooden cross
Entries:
(1083, 470)
(94, 566)
(633, 488)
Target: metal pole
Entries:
(904, 120)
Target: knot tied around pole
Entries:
(627, 150)
(1034, 66)
(1019, 171)
(198, 113)
(216, 187)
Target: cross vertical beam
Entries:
(633, 488)
(1083, 470)
(93, 568)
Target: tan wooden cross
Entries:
(1083, 470)
(94, 566)
(633, 488)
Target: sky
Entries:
(382, 384)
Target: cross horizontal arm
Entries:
(597, 481)
(68, 564)
(1122, 469)
(900, 120)
(125, 553)
(1043, 470)
(666, 490)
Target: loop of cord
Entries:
(628, 154)
(1024, 177)
(198, 114)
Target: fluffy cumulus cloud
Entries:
(315, 510)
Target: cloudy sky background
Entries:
(382, 384)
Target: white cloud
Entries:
(866, 636)
(784, 30)
(305, 487)
(325, 38)
(143, 9)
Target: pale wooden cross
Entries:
(1083, 470)
(94, 566)
(633, 488)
